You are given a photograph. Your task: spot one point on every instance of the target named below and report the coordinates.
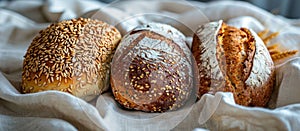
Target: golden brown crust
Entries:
(71, 56)
(151, 83)
(238, 47)
(235, 50)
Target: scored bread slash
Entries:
(152, 70)
(233, 60)
(68, 56)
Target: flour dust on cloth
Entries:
(20, 21)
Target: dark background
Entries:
(286, 8)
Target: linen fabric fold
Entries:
(53, 110)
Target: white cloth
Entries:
(20, 21)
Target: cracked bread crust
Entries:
(233, 60)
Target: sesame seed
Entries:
(69, 90)
(60, 52)
(59, 83)
(153, 81)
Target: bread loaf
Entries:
(233, 60)
(152, 70)
(72, 56)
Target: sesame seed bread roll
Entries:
(71, 56)
(152, 69)
(233, 60)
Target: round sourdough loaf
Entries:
(152, 69)
(233, 60)
(72, 56)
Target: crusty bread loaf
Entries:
(72, 56)
(233, 60)
(151, 70)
